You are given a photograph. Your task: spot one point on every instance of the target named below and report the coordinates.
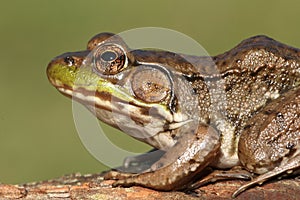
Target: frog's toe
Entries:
(235, 173)
(219, 175)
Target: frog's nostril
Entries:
(69, 60)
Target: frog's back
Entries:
(251, 75)
(259, 70)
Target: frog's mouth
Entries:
(153, 124)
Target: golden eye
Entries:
(151, 85)
(110, 59)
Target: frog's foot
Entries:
(291, 166)
(219, 175)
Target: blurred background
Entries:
(38, 139)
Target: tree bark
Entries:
(77, 186)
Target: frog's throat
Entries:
(104, 101)
(147, 124)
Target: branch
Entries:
(77, 186)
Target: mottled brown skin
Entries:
(280, 117)
(261, 81)
(249, 107)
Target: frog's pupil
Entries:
(108, 56)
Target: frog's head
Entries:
(125, 89)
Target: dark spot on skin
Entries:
(247, 126)
(194, 90)
(69, 60)
(254, 73)
(192, 161)
(238, 60)
(207, 121)
(279, 115)
(224, 63)
(290, 145)
(228, 88)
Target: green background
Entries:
(38, 139)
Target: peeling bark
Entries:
(77, 186)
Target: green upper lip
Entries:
(62, 69)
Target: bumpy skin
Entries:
(260, 150)
(248, 104)
(270, 142)
(253, 74)
(261, 79)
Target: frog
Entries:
(230, 116)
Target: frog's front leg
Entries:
(270, 143)
(191, 154)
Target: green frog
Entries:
(236, 113)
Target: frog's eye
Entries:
(151, 85)
(110, 59)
